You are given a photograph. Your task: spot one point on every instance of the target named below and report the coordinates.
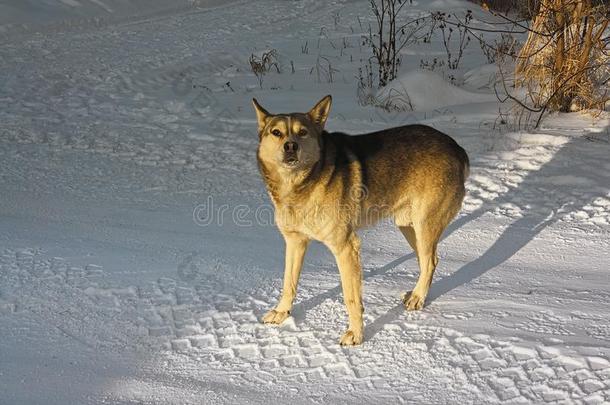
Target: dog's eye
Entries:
(276, 132)
(303, 132)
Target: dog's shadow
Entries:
(300, 308)
(541, 204)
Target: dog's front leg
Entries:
(296, 245)
(347, 254)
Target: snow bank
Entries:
(423, 90)
(482, 77)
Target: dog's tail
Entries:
(465, 162)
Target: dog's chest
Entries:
(314, 219)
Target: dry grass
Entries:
(564, 64)
(263, 64)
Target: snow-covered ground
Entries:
(136, 255)
(45, 16)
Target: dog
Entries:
(326, 185)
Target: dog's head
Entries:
(291, 141)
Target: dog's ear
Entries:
(319, 113)
(261, 115)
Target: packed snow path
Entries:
(114, 137)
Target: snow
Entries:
(51, 15)
(428, 91)
(137, 254)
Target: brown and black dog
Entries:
(325, 186)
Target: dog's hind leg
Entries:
(424, 237)
(296, 245)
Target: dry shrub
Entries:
(324, 70)
(564, 64)
(389, 37)
(505, 45)
(397, 100)
(260, 65)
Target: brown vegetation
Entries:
(563, 65)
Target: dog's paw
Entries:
(275, 317)
(413, 301)
(351, 338)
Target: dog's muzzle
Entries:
(290, 153)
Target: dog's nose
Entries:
(291, 147)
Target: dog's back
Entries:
(407, 169)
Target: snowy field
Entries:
(136, 257)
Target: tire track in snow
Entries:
(222, 332)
